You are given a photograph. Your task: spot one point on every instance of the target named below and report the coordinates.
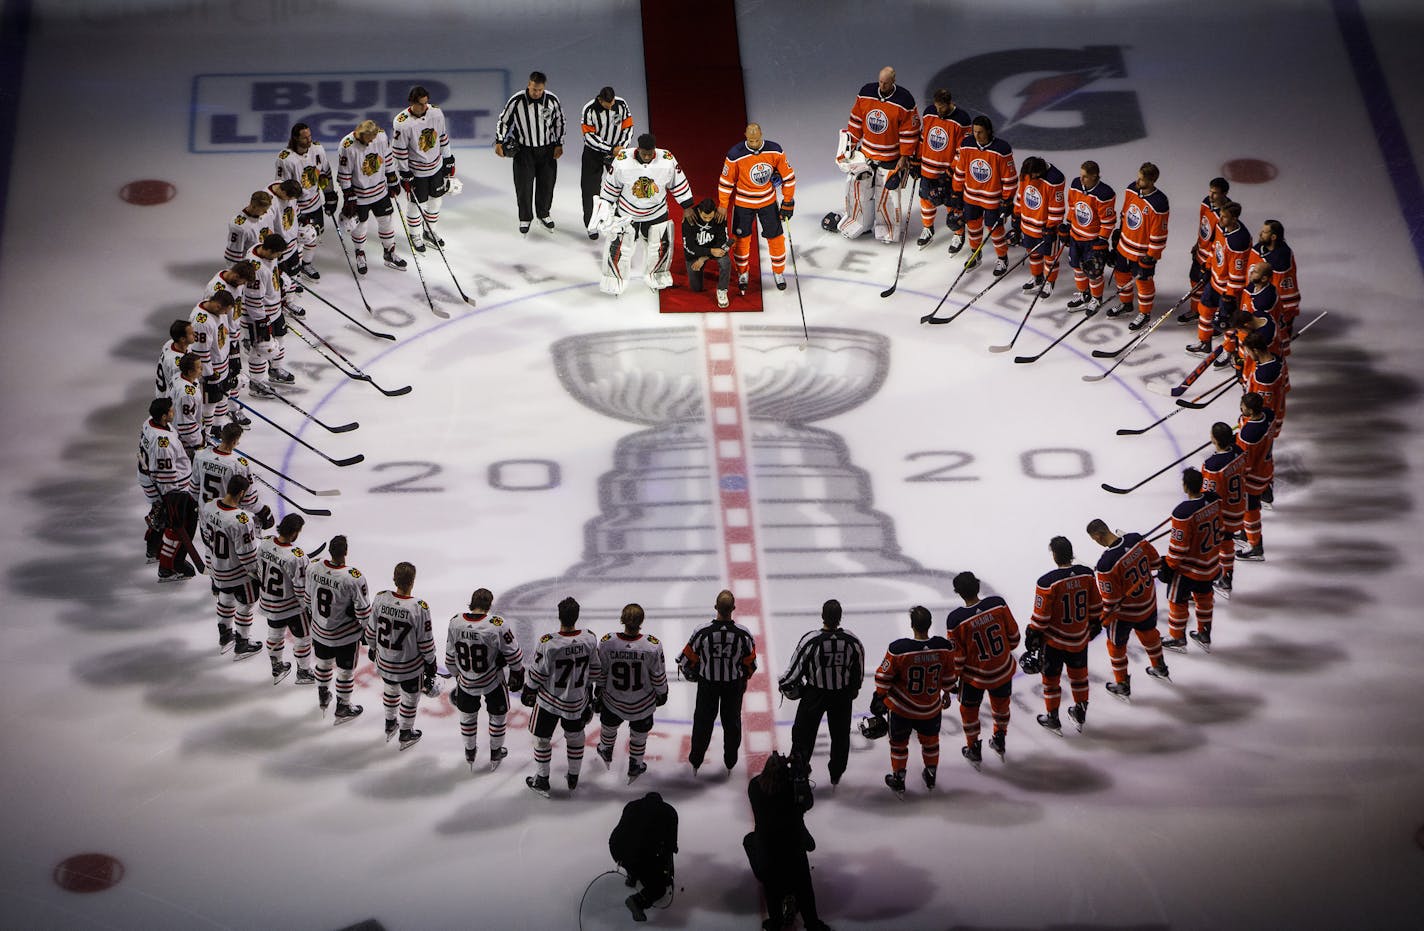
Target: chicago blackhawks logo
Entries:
(427, 140)
(979, 170)
(1032, 199)
(289, 216)
(644, 188)
(1132, 217)
(1049, 98)
(876, 121)
(938, 139)
(370, 163)
(309, 176)
(761, 173)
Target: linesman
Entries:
(825, 673)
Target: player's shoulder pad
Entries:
(621, 156)
(903, 98)
(189, 390)
(241, 219)
(355, 573)
(1053, 175)
(667, 155)
(546, 638)
(163, 442)
(297, 552)
(284, 153)
(607, 636)
(1001, 146)
(422, 603)
(496, 620)
(989, 602)
(348, 142)
(201, 316)
(242, 517)
(1048, 578)
(402, 116)
(652, 639)
(870, 90)
(242, 460)
(1157, 200)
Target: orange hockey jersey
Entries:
(985, 173)
(1224, 474)
(914, 675)
(1144, 224)
(1195, 550)
(1091, 212)
(984, 635)
(749, 179)
(1256, 439)
(940, 138)
(884, 126)
(1271, 381)
(1066, 604)
(1283, 276)
(1206, 231)
(1125, 580)
(1229, 252)
(1039, 203)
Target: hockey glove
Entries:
(956, 200)
(1065, 229)
(1146, 267)
(895, 179)
(1197, 273)
(406, 178)
(1033, 639)
(914, 168)
(348, 205)
(1166, 574)
(788, 207)
(371, 653)
(587, 715)
(1093, 263)
(448, 166)
(1094, 628)
(877, 705)
(329, 201)
(265, 520)
(1015, 233)
(529, 697)
(429, 686)
(393, 185)
(660, 699)
(596, 701)
(946, 699)
(516, 680)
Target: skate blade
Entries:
(407, 744)
(1125, 699)
(225, 649)
(278, 680)
(339, 720)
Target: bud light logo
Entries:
(1083, 214)
(1031, 198)
(980, 171)
(1132, 216)
(939, 139)
(255, 112)
(876, 121)
(761, 173)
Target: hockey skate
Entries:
(742, 280)
(956, 242)
(260, 389)
(280, 671)
(1177, 644)
(1117, 311)
(1078, 711)
(1034, 284)
(323, 698)
(540, 784)
(392, 260)
(1187, 316)
(430, 237)
(572, 781)
(391, 729)
(973, 260)
(346, 712)
(280, 375)
(409, 738)
(1090, 309)
(929, 774)
(606, 755)
(1051, 722)
(1222, 361)
(497, 756)
(780, 280)
(896, 782)
(1046, 290)
(1078, 299)
(1159, 671)
(1001, 266)
(1121, 690)
(181, 574)
(225, 639)
(360, 261)
(722, 299)
(1223, 584)
(1199, 348)
(524, 229)
(470, 754)
(974, 753)
(925, 238)
(1138, 322)
(244, 649)
(1203, 638)
(296, 310)
(418, 246)
(636, 769)
(997, 744)
(239, 418)
(1255, 553)
(547, 223)
(310, 271)
(305, 677)
(635, 908)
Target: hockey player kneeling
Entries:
(633, 206)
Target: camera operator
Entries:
(779, 842)
(643, 843)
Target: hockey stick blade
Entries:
(1004, 348)
(1113, 489)
(310, 512)
(320, 493)
(343, 428)
(386, 391)
(889, 291)
(351, 461)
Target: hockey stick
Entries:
(414, 257)
(376, 333)
(1038, 293)
(1222, 389)
(900, 263)
(1162, 471)
(791, 247)
(1136, 339)
(941, 321)
(310, 512)
(349, 461)
(355, 373)
(325, 493)
(969, 263)
(336, 222)
(441, 249)
(343, 428)
(1198, 404)
(1196, 373)
(1061, 338)
(1160, 535)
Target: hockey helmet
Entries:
(874, 728)
(1031, 662)
(831, 222)
(792, 691)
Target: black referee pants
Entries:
(714, 698)
(534, 173)
(835, 706)
(591, 180)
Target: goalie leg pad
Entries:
(657, 259)
(857, 219)
(616, 260)
(887, 214)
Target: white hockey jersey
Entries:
(640, 192)
(216, 284)
(566, 664)
(310, 169)
(633, 675)
(262, 300)
(167, 373)
(399, 626)
(339, 603)
(230, 535)
(211, 470)
(284, 578)
(212, 334)
(419, 143)
(476, 646)
(163, 465)
(285, 215)
(187, 397)
(361, 169)
(244, 232)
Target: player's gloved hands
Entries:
(956, 200)
(406, 178)
(1146, 267)
(1197, 273)
(393, 185)
(877, 705)
(448, 166)
(371, 653)
(597, 701)
(516, 680)
(946, 699)
(529, 698)
(1033, 639)
(1094, 628)
(1015, 232)
(788, 207)
(265, 520)
(660, 699)
(915, 168)
(1166, 574)
(328, 198)
(348, 205)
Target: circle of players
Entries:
(196, 480)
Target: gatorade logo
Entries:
(1050, 99)
(876, 121)
(938, 139)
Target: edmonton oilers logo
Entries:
(939, 139)
(1082, 213)
(761, 173)
(1220, 254)
(1031, 198)
(1132, 216)
(1205, 231)
(979, 170)
(877, 121)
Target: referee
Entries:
(825, 672)
(531, 130)
(607, 126)
(720, 658)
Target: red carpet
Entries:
(698, 111)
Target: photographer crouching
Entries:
(643, 843)
(777, 846)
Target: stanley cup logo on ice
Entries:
(657, 540)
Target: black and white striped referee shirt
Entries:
(532, 122)
(605, 130)
(827, 659)
(720, 651)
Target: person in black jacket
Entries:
(643, 843)
(704, 239)
(779, 842)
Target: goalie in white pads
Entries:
(340, 607)
(477, 646)
(566, 664)
(633, 683)
(633, 206)
(229, 532)
(875, 151)
(403, 648)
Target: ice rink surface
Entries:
(1275, 783)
